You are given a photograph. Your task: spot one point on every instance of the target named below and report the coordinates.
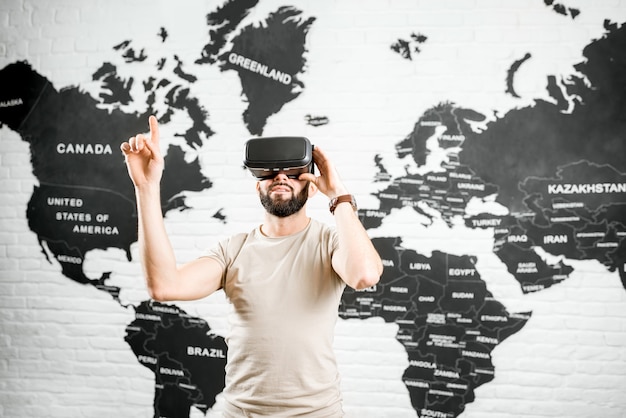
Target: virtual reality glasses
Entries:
(266, 157)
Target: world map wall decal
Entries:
(568, 200)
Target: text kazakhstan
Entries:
(586, 188)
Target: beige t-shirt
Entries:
(285, 296)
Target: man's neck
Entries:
(275, 226)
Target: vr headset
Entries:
(266, 157)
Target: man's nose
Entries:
(281, 175)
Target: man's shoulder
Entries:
(322, 230)
(323, 226)
(239, 237)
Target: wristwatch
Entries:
(340, 199)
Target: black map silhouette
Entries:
(85, 200)
(557, 166)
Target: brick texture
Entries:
(62, 349)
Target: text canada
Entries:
(97, 149)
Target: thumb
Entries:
(308, 177)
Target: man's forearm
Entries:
(157, 256)
(356, 259)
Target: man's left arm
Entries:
(355, 260)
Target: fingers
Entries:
(138, 143)
(319, 156)
(132, 146)
(328, 181)
(321, 160)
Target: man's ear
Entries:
(258, 186)
(312, 189)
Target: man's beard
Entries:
(283, 208)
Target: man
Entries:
(284, 280)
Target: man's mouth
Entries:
(281, 188)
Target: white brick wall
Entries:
(62, 349)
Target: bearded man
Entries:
(284, 280)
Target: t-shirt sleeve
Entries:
(331, 242)
(334, 240)
(224, 252)
(218, 253)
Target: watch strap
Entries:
(341, 199)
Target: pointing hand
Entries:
(143, 156)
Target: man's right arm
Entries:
(165, 279)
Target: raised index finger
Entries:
(154, 130)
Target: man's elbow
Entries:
(157, 296)
(366, 281)
(158, 293)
